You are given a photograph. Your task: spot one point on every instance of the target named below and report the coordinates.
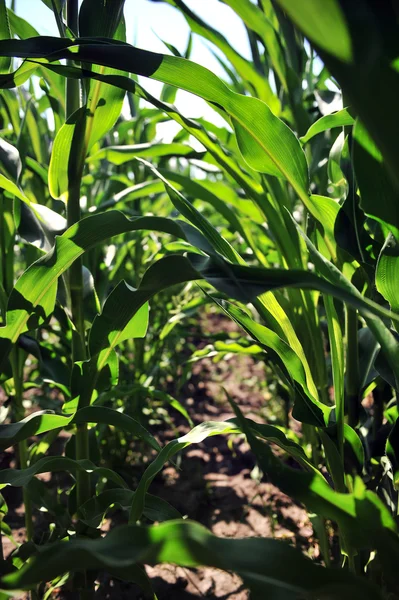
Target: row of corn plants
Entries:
(287, 218)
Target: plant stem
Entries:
(17, 373)
(23, 463)
(75, 283)
(72, 89)
(58, 19)
(320, 528)
(23, 452)
(1, 546)
(352, 366)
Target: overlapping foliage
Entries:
(288, 216)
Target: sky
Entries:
(147, 23)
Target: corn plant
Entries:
(293, 236)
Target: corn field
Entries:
(267, 233)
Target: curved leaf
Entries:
(4, 34)
(33, 297)
(108, 416)
(40, 422)
(319, 412)
(324, 24)
(94, 510)
(266, 143)
(264, 564)
(379, 195)
(34, 424)
(363, 517)
(243, 67)
(341, 118)
(386, 277)
(51, 464)
(120, 319)
(118, 155)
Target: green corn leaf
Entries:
(353, 444)
(33, 297)
(66, 155)
(118, 155)
(122, 318)
(243, 67)
(325, 211)
(9, 101)
(37, 132)
(386, 276)
(109, 14)
(209, 138)
(13, 189)
(324, 24)
(192, 127)
(134, 192)
(245, 283)
(219, 195)
(34, 424)
(42, 421)
(275, 435)
(319, 412)
(266, 565)
(96, 374)
(341, 118)
(255, 19)
(5, 33)
(119, 320)
(238, 213)
(379, 196)
(108, 416)
(210, 232)
(222, 348)
(22, 74)
(20, 26)
(94, 510)
(363, 517)
(266, 143)
(52, 464)
(383, 335)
